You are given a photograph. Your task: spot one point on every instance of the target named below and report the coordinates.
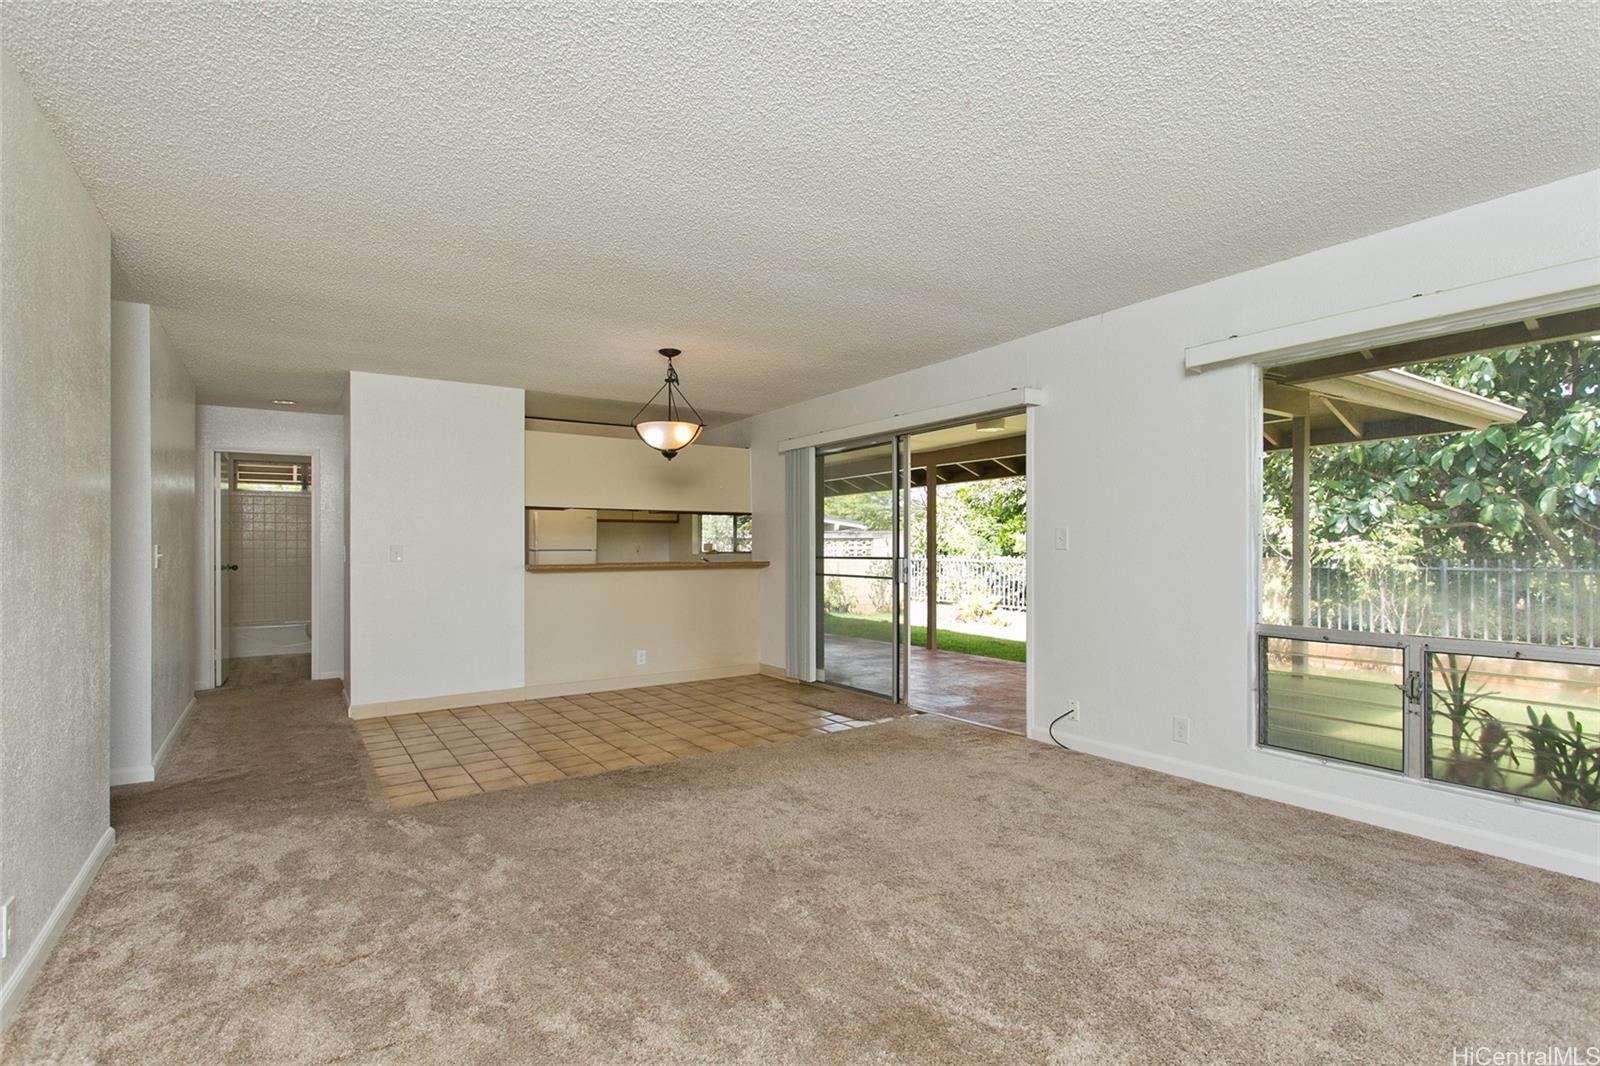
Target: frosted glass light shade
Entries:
(668, 437)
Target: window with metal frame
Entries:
(725, 533)
(1334, 698)
(1513, 721)
(1380, 641)
(266, 475)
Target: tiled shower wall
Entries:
(269, 536)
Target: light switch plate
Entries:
(1061, 538)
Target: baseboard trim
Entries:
(32, 960)
(330, 675)
(1573, 862)
(132, 775)
(386, 708)
(779, 672)
(172, 735)
(611, 684)
(546, 691)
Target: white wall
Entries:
(647, 542)
(173, 511)
(1156, 471)
(436, 470)
(55, 535)
(131, 532)
(152, 508)
(323, 437)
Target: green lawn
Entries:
(1345, 716)
(876, 627)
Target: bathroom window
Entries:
(261, 475)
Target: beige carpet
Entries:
(919, 891)
(259, 670)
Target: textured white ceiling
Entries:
(803, 197)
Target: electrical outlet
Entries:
(8, 925)
(640, 657)
(1074, 711)
(1061, 538)
(1180, 730)
(397, 553)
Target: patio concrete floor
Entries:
(973, 688)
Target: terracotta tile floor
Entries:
(420, 758)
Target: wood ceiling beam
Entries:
(999, 448)
(1338, 412)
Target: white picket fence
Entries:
(1004, 578)
(1477, 599)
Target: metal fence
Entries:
(1003, 579)
(1477, 600)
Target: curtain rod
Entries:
(576, 421)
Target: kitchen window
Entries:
(725, 534)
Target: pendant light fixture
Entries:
(674, 431)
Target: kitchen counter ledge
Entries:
(587, 568)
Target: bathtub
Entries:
(273, 638)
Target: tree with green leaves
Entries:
(977, 518)
(1529, 491)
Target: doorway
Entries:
(860, 568)
(922, 580)
(263, 517)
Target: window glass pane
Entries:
(724, 533)
(1518, 726)
(716, 533)
(857, 502)
(1458, 497)
(1341, 701)
(855, 567)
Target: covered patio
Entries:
(973, 688)
(1302, 410)
(955, 666)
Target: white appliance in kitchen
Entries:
(561, 536)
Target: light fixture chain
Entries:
(673, 433)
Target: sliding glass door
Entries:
(861, 548)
